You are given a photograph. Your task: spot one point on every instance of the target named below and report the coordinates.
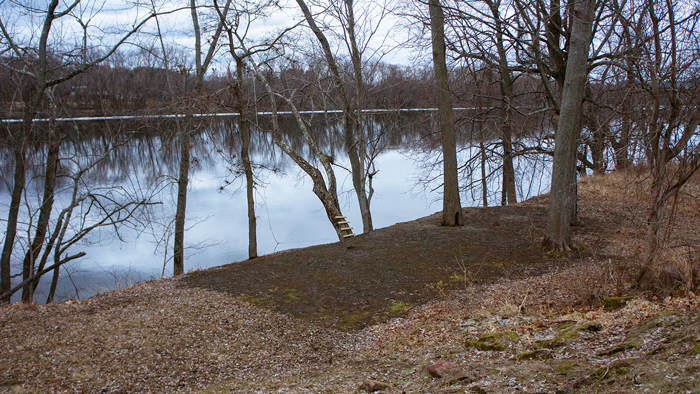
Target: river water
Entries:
(289, 215)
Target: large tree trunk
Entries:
(563, 191)
(508, 195)
(451, 207)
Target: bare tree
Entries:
(324, 180)
(239, 21)
(185, 130)
(664, 69)
(482, 34)
(89, 208)
(355, 35)
(32, 58)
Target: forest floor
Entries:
(414, 308)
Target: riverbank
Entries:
(412, 308)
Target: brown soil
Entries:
(381, 275)
(502, 313)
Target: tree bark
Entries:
(245, 159)
(563, 191)
(20, 152)
(451, 207)
(42, 225)
(182, 182)
(508, 195)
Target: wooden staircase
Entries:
(345, 228)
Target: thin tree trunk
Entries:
(245, 158)
(15, 201)
(508, 195)
(182, 181)
(29, 263)
(357, 148)
(451, 207)
(43, 221)
(563, 191)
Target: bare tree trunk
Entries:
(356, 148)
(182, 181)
(506, 86)
(451, 207)
(184, 136)
(44, 216)
(508, 193)
(326, 193)
(245, 158)
(19, 151)
(563, 192)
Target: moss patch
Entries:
(565, 366)
(696, 350)
(619, 348)
(497, 341)
(538, 354)
(397, 308)
(614, 303)
(261, 300)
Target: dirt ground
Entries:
(383, 274)
(413, 308)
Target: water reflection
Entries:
(289, 214)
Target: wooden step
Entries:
(343, 222)
(339, 217)
(348, 235)
(346, 228)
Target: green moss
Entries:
(351, 321)
(696, 350)
(591, 326)
(497, 341)
(568, 334)
(538, 354)
(599, 373)
(622, 370)
(657, 350)
(566, 324)
(565, 366)
(397, 307)
(605, 373)
(619, 348)
(613, 303)
(290, 295)
(262, 300)
(550, 344)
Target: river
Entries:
(289, 215)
